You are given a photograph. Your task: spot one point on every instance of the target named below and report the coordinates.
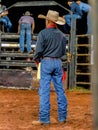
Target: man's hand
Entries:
(4, 13)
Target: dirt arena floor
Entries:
(18, 108)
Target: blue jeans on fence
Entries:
(7, 22)
(51, 69)
(68, 18)
(25, 31)
(89, 23)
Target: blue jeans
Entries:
(89, 23)
(51, 69)
(25, 31)
(7, 22)
(68, 18)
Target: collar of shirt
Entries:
(51, 26)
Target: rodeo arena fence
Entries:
(16, 71)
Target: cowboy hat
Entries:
(53, 16)
(27, 13)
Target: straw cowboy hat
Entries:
(53, 16)
(27, 13)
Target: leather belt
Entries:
(51, 58)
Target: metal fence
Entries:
(13, 63)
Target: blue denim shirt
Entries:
(75, 9)
(51, 43)
(85, 7)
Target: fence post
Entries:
(94, 77)
(72, 51)
(0, 45)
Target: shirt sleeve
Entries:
(64, 45)
(76, 9)
(85, 7)
(4, 8)
(39, 49)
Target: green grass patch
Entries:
(80, 89)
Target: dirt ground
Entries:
(18, 108)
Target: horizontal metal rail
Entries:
(84, 83)
(83, 45)
(16, 55)
(84, 35)
(83, 64)
(15, 69)
(83, 54)
(15, 64)
(14, 36)
(18, 64)
(13, 45)
(83, 73)
(23, 61)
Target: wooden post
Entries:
(94, 78)
(72, 52)
(0, 42)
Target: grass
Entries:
(80, 89)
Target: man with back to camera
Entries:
(25, 29)
(50, 47)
